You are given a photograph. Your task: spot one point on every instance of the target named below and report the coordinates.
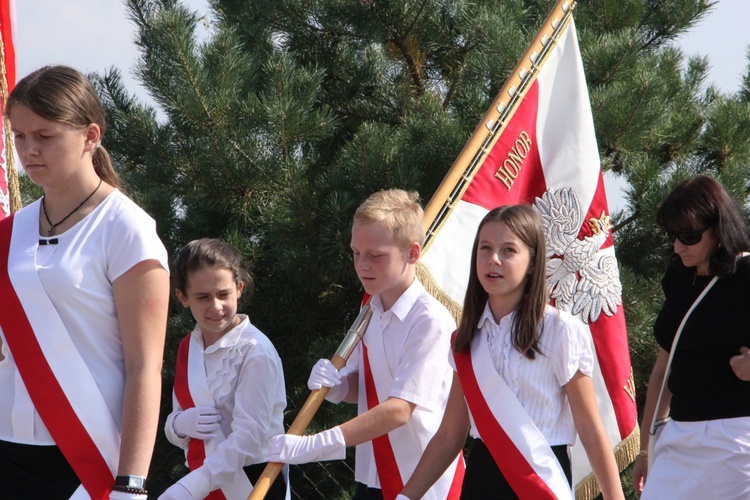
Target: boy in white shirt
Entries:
(399, 375)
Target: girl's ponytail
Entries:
(104, 167)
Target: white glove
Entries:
(176, 492)
(121, 495)
(324, 374)
(326, 445)
(200, 422)
(402, 497)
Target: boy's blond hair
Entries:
(399, 211)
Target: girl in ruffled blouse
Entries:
(522, 386)
(229, 394)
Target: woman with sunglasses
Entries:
(704, 450)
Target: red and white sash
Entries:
(518, 447)
(396, 463)
(54, 374)
(191, 389)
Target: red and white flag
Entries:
(7, 81)
(546, 154)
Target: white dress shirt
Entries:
(415, 334)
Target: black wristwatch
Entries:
(135, 482)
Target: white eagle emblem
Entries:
(579, 282)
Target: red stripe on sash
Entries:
(391, 483)
(525, 482)
(458, 478)
(196, 454)
(46, 393)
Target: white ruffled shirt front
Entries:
(246, 379)
(538, 384)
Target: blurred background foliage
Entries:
(272, 129)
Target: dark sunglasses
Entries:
(687, 237)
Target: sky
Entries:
(94, 35)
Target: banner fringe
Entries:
(429, 284)
(14, 186)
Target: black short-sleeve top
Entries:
(702, 383)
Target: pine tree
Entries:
(291, 112)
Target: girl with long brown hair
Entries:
(522, 386)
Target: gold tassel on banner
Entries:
(14, 187)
